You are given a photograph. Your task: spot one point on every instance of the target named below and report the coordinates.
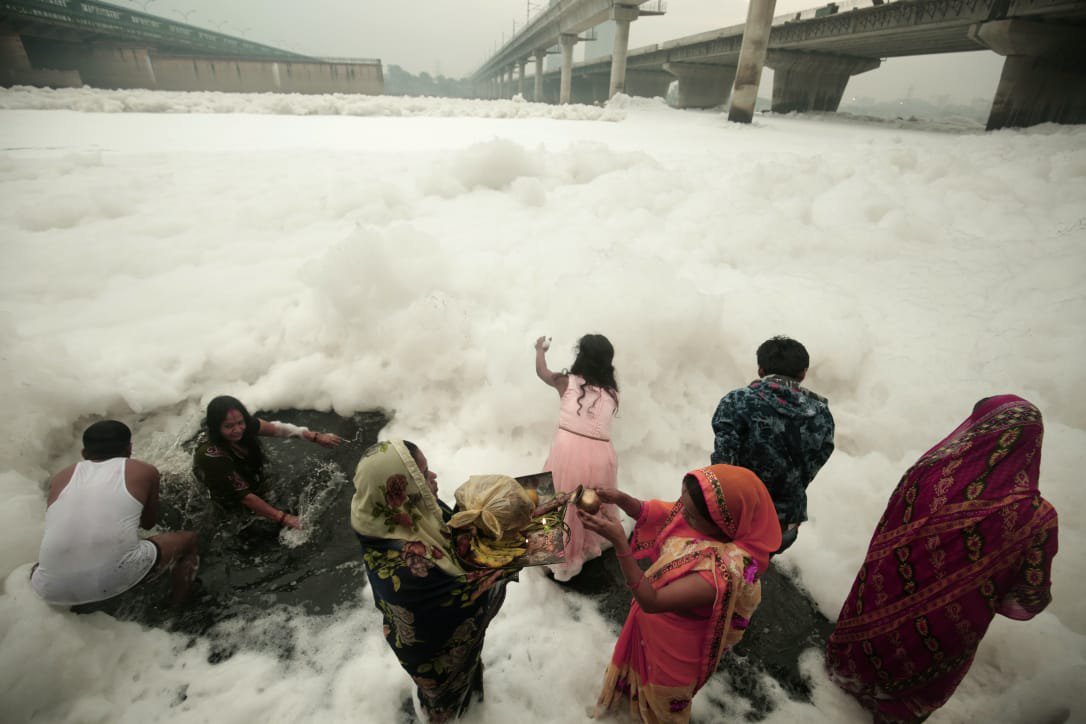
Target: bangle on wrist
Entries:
(282, 516)
(627, 554)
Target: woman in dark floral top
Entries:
(435, 612)
(229, 460)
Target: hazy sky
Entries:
(452, 37)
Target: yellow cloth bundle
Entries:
(495, 505)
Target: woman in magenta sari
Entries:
(708, 551)
(966, 535)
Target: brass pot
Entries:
(589, 501)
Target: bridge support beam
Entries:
(539, 56)
(623, 15)
(98, 66)
(648, 83)
(702, 86)
(566, 41)
(16, 68)
(751, 59)
(1044, 73)
(520, 77)
(812, 81)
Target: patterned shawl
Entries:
(741, 507)
(435, 615)
(966, 535)
(392, 502)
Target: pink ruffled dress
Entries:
(582, 454)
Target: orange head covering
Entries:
(740, 506)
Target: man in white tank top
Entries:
(91, 550)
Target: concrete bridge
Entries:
(560, 25)
(70, 43)
(814, 53)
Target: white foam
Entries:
(197, 245)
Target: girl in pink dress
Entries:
(581, 453)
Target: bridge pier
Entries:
(648, 83)
(520, 77)
(1044, 72)
(16, 68)
(702, 86)
(539, 56)
(752, 53)
(98, 66)
(566, 41)
(623, 15)
(812, 81)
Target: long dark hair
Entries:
(594, 363)
(217, 410)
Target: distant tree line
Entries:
(398, 82)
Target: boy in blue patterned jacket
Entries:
(777, 428)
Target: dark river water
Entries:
(252, 575)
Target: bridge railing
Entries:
(104, 18)
(830, 8)
(349, 61)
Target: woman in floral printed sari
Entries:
(435, 613)
(694, 602)
(966, 535)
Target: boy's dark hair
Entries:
(106, 439)
(783, 356)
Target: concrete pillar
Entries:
(539, 56)
(648, 83)
(99, 66)
(12, 53)
(751, 59)
(812, 81)
(701, 86)
(117, 68)
(16, 68)
(622, 15)
(1044, 73)
(520, 77)
(566, 41)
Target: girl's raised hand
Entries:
(542, 344)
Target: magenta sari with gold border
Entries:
(966, 535)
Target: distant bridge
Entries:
(76, 42)
(815, 52)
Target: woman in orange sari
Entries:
(966, 535)
(708, 551)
